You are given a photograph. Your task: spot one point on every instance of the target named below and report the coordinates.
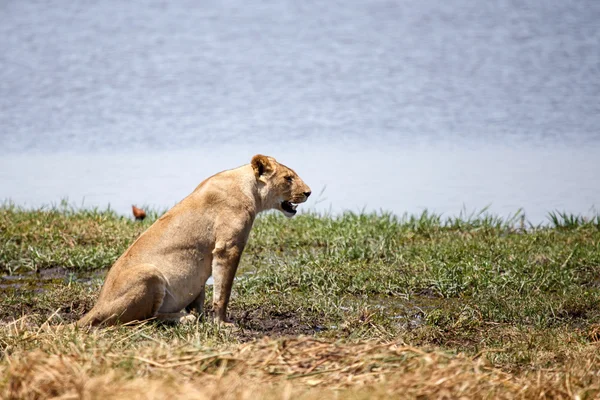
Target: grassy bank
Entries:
(366, 304)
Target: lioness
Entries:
(165, 270)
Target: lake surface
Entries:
(378, 105)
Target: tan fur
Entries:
(165, 270)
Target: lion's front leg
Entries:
(224, 266)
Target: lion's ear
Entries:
(261, 165)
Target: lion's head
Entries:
(281, 188)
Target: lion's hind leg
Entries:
(133, 294)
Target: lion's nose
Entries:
(307, 194)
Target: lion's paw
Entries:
(188, 319)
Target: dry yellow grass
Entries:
(65, 363)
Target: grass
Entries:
(364, 305)
(564, 220)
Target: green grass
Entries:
(449, 282)
(482, 305)
(564, 220)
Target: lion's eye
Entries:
(289, 179)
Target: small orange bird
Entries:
(138, 213)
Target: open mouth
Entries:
(288, 207)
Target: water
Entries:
(386, 105)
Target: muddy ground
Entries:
(66, 296)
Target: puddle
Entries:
(60, 276)
(409, 312)
(41, 280)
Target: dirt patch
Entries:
(260, 322)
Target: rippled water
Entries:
(394, 105)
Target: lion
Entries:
(162, 275)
